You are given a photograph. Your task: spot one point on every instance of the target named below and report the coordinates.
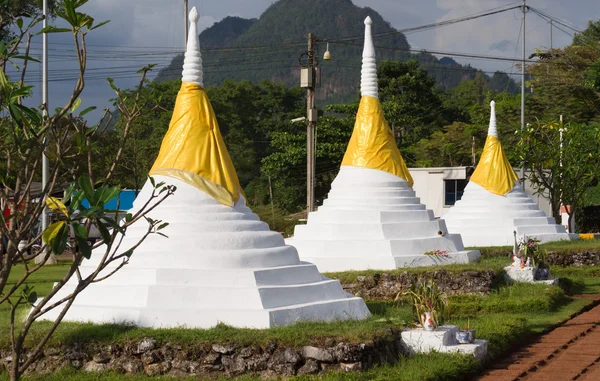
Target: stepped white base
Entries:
(526, 275)
(252, 298)
(441, 339)
(351, 259)
(372, 220)
(486, 219)
(219, 264)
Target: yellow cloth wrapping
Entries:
(372, 144)
(494, 172)
(193, 150)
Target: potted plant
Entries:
(430, 305)
(537, 256)
(467, 335)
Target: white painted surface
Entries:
(368, 81)
(526, 275)
(486, 219)
(492, 130)
(441, 339)
(373, 220)
(219, 264)
(429, 186)
(192, 62)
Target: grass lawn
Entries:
(507, 316)
(558, 247)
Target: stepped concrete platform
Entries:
(373, 220)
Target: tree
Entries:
(145, 133)
(451, 147)
(563, 169)
(26, 136)
(566, 81)
(286, 165)
(590, 36)
(13, 10)
(411, 101)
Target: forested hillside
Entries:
(269, 48)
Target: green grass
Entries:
(563, 247)
(508, 315)
(487, 263)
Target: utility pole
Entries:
(523, 90)
(45, 164)
(307, 81)
(185, 22)
(551, 33)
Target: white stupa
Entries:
(220, 262)
(494, 205)
(371, 218)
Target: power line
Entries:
(557, 20)
(427, 26)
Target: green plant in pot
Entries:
(531, 250)
(430, 305)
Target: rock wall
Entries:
(229, 359)
(385, 286)
(576, 259)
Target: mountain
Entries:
(271, 47)
(225, 32)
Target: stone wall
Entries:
(385, 286)
(229, 359)
(576, 259)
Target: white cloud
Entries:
(158, 26)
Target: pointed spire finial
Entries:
(492, 131)
(192, 63)
(368, 81)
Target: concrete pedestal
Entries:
(526, 274)
(441, 339)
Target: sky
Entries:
(151, 31)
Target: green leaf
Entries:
(59, 243)
(84, 247)
(88, 189)
(76, 201)
(92, 211)
(53, 29)
(52, 232)
(19, 23)
(26, 58)
(99, 25)
(103, 232)
(111, 83)
(69, 193)
(32, 297)
(87, 110)
(75, 105)
(79, 230)
(162, 226)
(128, 217)
(108, 194)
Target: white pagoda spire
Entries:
(368, 81)
(492, 131)
(192, 63)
